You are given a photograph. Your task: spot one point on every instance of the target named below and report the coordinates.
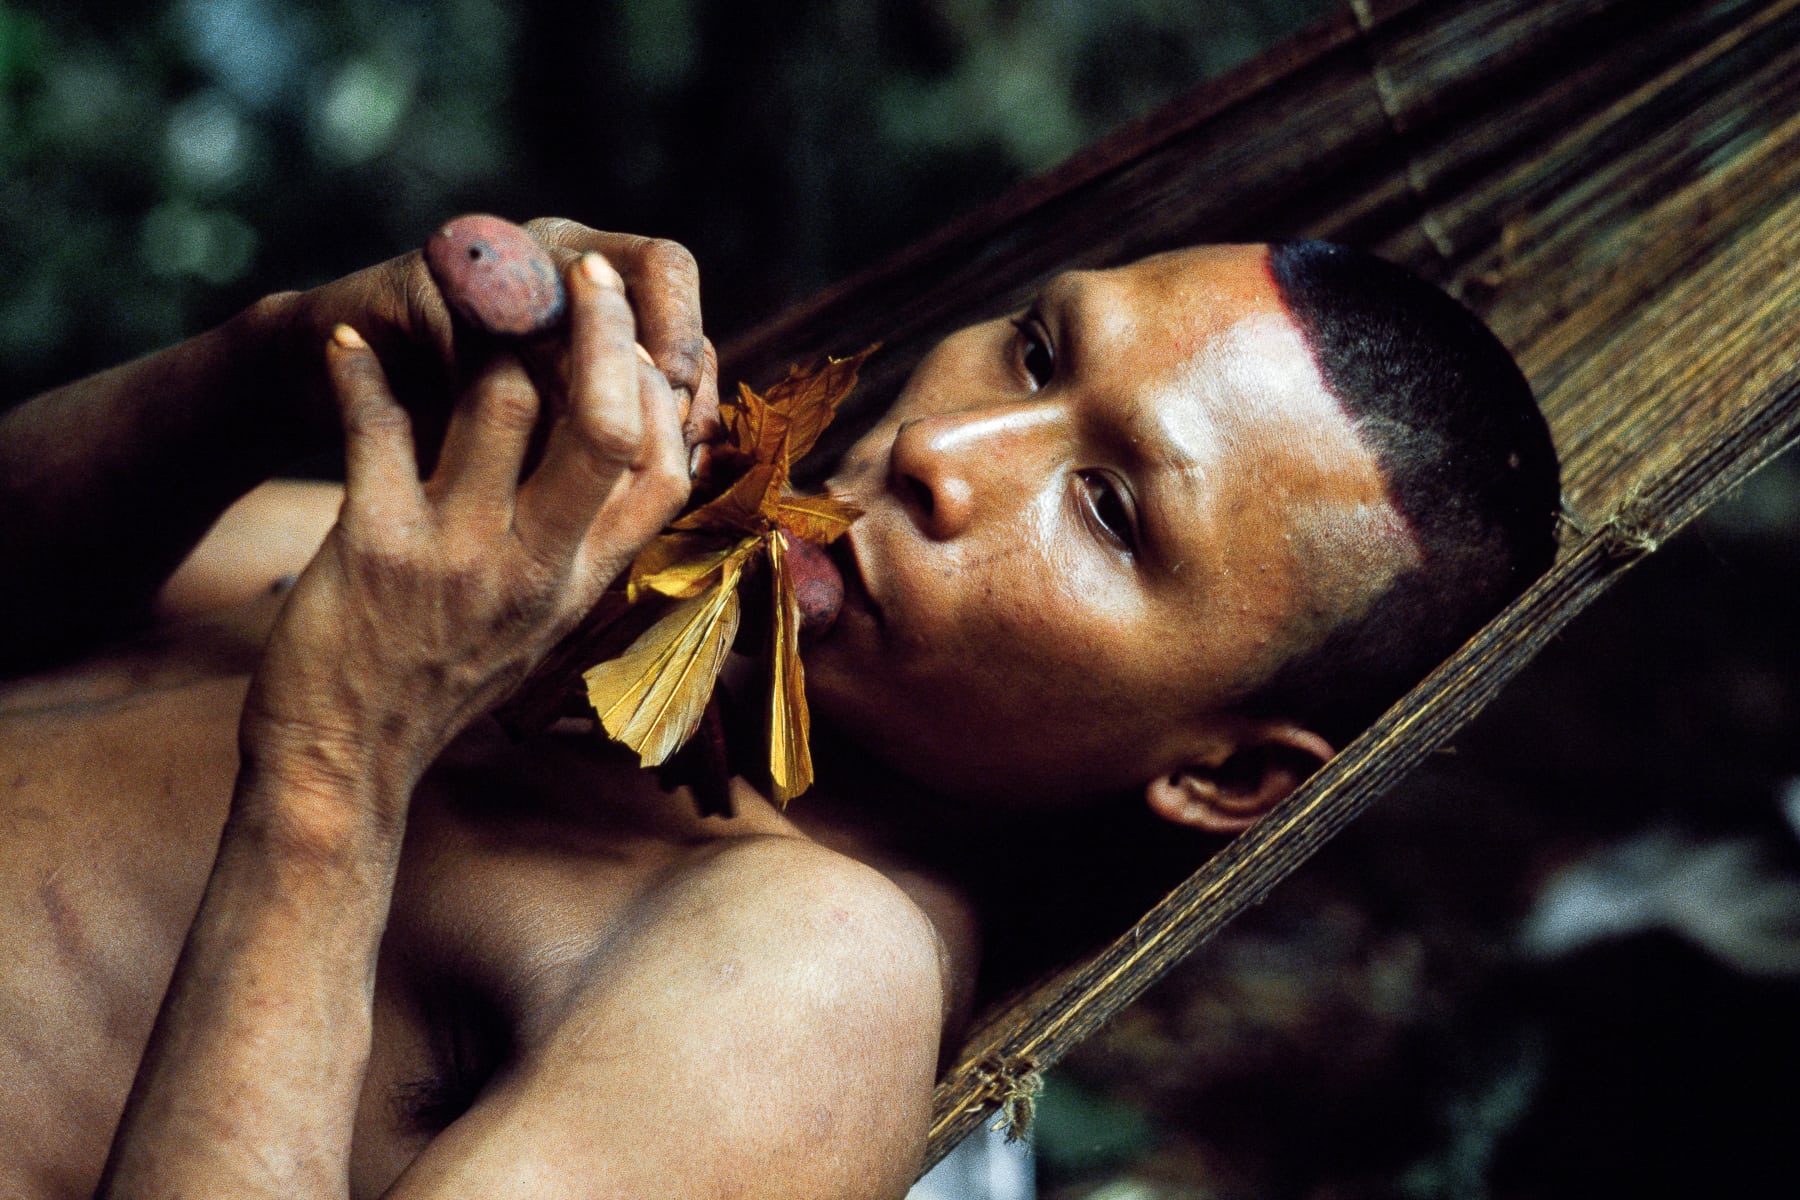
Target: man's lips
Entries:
(856, 589)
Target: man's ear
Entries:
(1225, 788)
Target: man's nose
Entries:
(952, 469)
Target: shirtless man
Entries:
(1110, 545)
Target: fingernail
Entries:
(348, 338)
(600, 272)
(696, 460)
(644, 355)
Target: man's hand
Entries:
(397, 308)
(430, 600)
(108, 482)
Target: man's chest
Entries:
(524, 874)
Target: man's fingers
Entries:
(379, 463)
(702, 428)
(663, 283)
(490, 431)
(603, 432)
(665, 288)
(647, 497)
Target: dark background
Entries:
(1562, 961)
(162, 167)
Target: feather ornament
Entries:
(651, 697)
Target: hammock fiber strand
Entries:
(1611, 184)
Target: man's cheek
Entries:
(858, 473)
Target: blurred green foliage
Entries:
(160, 167)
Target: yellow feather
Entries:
(679, 565)
(650, 698)
(790, 754)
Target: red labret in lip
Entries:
(818, 585)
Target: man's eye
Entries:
(1036, 354)
(1107, 504)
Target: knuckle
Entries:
(541, 569)
(509, 405)
(425, 306)
(464, 580)
(472, 580)
(379, 554)
(611, 440)
(627, 251)
(680, 361)
(528, 607)
(557, 231)
(701, 428)
(671, 262)
(667, 486)
(373, 416)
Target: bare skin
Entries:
(425, 960)
(499, 915)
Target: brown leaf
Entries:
(810, 398)
(652, 696)
(741, 507)
(773, 432)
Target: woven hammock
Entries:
(1611, 184)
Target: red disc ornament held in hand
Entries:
(496, 277)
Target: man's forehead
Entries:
(1251, 380)
(1161, 310)
(1202, 342)
(1211, 257)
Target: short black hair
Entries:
(1469, 465)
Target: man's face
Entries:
(1089, 528)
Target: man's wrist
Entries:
(323, 796)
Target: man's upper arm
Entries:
(770, 1029)
(271, 532)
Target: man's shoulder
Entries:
(771, 904)
(767, 1016)
(826, 945)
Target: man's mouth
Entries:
(856, 591)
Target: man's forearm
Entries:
(107, 482)
(250, 1082)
